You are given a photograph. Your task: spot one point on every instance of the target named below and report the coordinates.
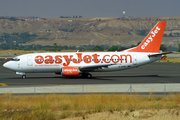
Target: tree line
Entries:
(16, 46)
(17, 37)
(12, 41)
(12, 18)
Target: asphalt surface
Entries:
(150, 73)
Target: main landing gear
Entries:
(86, 75)
(23, 76)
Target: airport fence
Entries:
(162, 89)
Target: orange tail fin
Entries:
(152, 41)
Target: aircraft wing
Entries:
(92, 67)
(154, 55)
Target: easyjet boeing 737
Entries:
(83, 63)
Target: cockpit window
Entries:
(15, 59)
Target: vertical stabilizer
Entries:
(152, 41)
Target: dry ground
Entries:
(163, 114)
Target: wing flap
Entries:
(92, 67)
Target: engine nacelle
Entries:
(70, 71)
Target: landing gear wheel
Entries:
(24, 76)
(86, 75)
(89, 75)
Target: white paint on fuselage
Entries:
(30, 66)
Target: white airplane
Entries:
(82, 63)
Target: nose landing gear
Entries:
(21, 73)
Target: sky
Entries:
(90, 8)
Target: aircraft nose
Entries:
(11, 65)
(5, 65)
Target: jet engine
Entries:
(70, 71)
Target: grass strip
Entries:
(51, 107)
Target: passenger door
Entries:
(29, 60)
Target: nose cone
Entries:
(8, 65)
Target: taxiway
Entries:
(147, 74)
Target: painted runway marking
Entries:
(3, 84)
(95, 89)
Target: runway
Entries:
(147, 74)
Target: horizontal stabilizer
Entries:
(154, 55)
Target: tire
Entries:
(86, 75)
(89, 75)
(23, 77)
